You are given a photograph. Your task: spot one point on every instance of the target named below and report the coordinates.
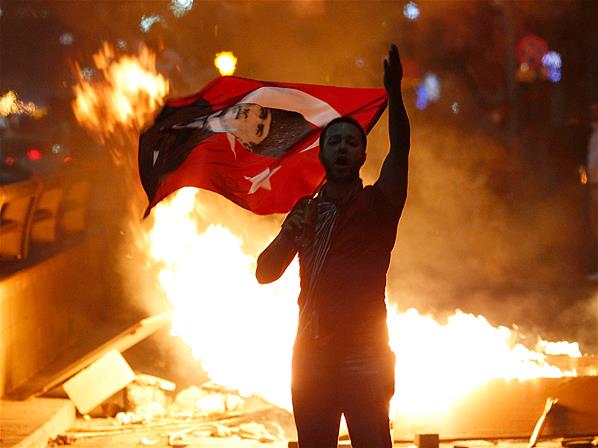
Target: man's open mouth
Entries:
(341, 161)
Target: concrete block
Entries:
(102, 379)
(426, 440)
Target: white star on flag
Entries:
(261, 180)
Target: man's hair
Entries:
(287, 128)
(349, 120)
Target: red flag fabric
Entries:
(253, 142)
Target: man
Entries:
(342, 363)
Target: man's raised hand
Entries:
(393, 71)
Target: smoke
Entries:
(485, 229)
(477, 236)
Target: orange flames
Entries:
(127, 91)
(243, 332)
(471, 351)
(11, 105)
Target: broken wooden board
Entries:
(533, 440)
(48, 380)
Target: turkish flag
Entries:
(253, 142)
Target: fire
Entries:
(438, 363)
(225, 62)
(570, 349)
(11, 105)
(127, 91)
(583, 175)
(243, 332)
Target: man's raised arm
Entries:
(393, 176)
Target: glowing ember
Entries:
(126, 92)
(11, 105)
(583, 175)
(243, 332)
(225, 62)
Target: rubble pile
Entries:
(154, 413)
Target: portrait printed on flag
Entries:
(264, 131)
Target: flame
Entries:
(126, 93)
(570, 349)
(473, 351)
(225, 62)
(237, 328)
(11, 105)
(583, 175)
(243, 332)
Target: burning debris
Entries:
(154, 414)
(116, 402)
(127, 92)
(11, 105)
(212, 415)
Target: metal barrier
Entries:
(17, 202)
(73, 213)
(41, 211)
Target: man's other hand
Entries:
(292, 227)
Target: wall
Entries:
(38, 307)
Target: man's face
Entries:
(250, 123)
(342, 153)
